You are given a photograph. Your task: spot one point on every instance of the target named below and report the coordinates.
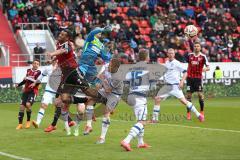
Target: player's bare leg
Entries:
(189, 98)
(156, 110)
(29, 112)
(201, 102)
(192, 108)
(20, 117)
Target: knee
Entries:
(157, 99)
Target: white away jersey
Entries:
(47, 72)
(174, 68)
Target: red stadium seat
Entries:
(160, 60)
(148, 30)
(124, 16)
(125, 9)
(119, 10)
(128, 22)
(146, 38)
(144, 24)
(142, 31)
(181, 52)
(149, 44)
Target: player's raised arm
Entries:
(96, 31)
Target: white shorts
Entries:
(170, 90)
(112, 99)
(139, 104)
(48, 97)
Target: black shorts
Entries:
(71, 82)
(194, 85)
(28, 97)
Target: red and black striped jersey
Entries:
(31, 77)
(67, 59)
(196, 64)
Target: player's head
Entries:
(197, 47)
(99, 35)
(114, 65)
(171, 54)
(35, 64)
(64, 36)
(143, 54)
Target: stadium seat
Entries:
(146, 38)
(142, 31)
(149, 44)
(119, 10)
(160, 60)
(124, 16)
(128, 22)
(143, 24)
(148, 30)
(125, 9)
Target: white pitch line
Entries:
(13, 156)
(184, 126)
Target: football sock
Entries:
(156, 110)
(20, 117)
(40, 115)
(190, 100)
(56, 116)
(192, 108)
(135, 130)
(140, 137)
(89, 115)
(201, 102)
(29, 112)
(105, 125)
(69, 119)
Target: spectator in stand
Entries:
(153, 56)
(38, 52)
(12, 12)
(159, 26)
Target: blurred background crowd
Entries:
(152, 24)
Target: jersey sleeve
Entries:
(180, 67)
(206, 60)
(43, 74)
(91, 35)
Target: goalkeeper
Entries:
(93, 50)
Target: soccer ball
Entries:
(190, 31)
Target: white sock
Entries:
(135, 130)
(140, 137)
(105, 125)
(193, 109)
(67, 128)
(40, 115)
(156, 110)
(89, 114)
(89, 123)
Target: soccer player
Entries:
(173, 86)
(139, 77)
(112, 91)
(29, 94)
(71, 78)
(49, 94)
(196, 62)
(93, 50)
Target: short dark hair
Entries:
(38, 60)
(143, 54)
(197, 42)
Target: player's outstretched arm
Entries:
(97, 30)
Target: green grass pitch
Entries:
(173, 138)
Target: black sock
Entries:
(56, 116)
(69, 119)
(29, 115)
(20, 117)
(201, 102)
(190, 100)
